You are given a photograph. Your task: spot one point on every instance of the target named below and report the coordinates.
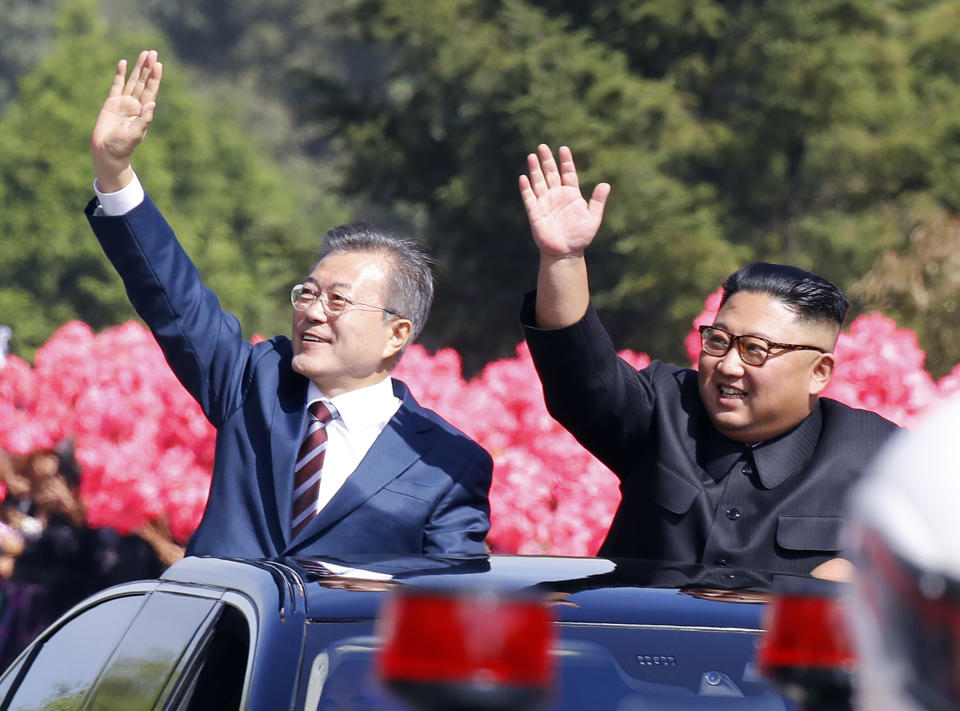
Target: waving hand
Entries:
(562, 222)
(124, 119)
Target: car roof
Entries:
(591, 590)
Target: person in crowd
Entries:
(740, 464)
(52, 558)
(319, 450)
(904, 541)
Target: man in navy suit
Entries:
(396, 478)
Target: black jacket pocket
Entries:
(673, 491)
(809, 533)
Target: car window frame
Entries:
(24, 661)
(187, 671)
(189, 663)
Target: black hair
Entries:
(69, 466)
(811, 297)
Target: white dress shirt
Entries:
(122, 201)
(361, 414)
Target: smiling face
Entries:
(357, 347)
(750, 403)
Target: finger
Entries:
(537, 182)
(119, 77)
(598, 200)
(550, 172)
(144, 76)
(568, 171)
(527, 195)
(149, 94)
(146, 113)
(135, 74)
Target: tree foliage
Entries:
(809, 132)
(244, 226)
(822, 133)
(920, 288)
(25, 34)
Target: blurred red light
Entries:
(479, 639)
(805, 632)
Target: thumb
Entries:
(598, 200)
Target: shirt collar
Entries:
(361, 408)
(719, 454)
(774, 460)
(778, 459)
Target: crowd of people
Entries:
(50, 559)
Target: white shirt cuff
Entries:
(122, 201)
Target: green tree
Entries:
(919, 288)
(25, 33)
(805, 131)
(245, 50)
(244, 225)
(467, 90)
(916, 282)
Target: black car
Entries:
(216, 633)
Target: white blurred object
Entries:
(904, 539)
(6, 333)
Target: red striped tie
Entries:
(306, 472)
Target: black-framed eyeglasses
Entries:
(753, 350)
(334, 303)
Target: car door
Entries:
(60, 668)
(162, 649)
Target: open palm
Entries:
(563, 223)
(128, 110)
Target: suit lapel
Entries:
(401, 443)
(286, 433)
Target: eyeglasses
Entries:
(303, 297)
(753, 350)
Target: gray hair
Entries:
(410, 284)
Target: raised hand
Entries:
(124, 119)
(562, 222)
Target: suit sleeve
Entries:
(202, 343)
(597, 396)
(460, 521)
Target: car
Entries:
(306, 633)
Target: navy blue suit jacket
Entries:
(421, 488)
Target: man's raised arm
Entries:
(563, 225)
(123, 121)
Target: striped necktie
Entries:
(307, 470)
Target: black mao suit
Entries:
(688, 493)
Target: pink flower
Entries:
(144, 447)
(707, 316)
(147, 451)
(880, 368)
(949, 384)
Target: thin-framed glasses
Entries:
(753, 350)
(334, 303)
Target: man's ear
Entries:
(400, 331)
(821, 372)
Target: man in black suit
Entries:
(741, 464)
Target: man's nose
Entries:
(315, 311)
(730, 362)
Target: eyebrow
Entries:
(726, 328)
(341, 285)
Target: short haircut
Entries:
(811, 297)
(410, 283)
